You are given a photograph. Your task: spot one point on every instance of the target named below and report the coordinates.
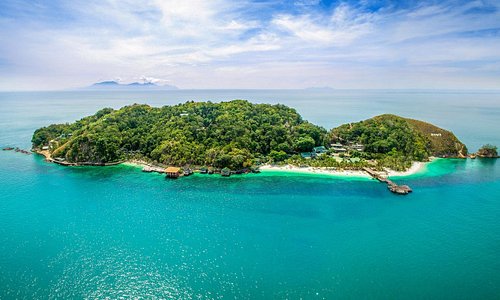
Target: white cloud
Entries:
(222, 43)
(343, 26)
(158, 81)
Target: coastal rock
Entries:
(487, 151)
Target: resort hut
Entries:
(305, 155)
(319, 150)
(172, 172)
(338, 148)
(308, 155)
(358, 147)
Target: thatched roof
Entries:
(172, 170)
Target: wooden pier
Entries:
(393, 187)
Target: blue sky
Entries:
(251, 44)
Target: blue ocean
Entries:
(116, 232)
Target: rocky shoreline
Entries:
(49, 158)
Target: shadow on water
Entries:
(487, 162)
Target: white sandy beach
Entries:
(136, 163)
(145, 166)
(415, 168)
(313, 170)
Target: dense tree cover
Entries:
(383, 135)
(237, 134)
(488, 151)
(395, 141)
(44, 135)
(227, 134)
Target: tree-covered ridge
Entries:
(396, 136)
(227, 134)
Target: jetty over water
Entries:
(393, 187)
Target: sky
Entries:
(263, 44)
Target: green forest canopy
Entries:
(488, 150)
(232, 134)
(401, 136)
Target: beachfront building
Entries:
(172, 172)
(320, 150)
(338, 148)
(308, 155)
(317, 151)
(358, 147)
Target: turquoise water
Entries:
(115, 232)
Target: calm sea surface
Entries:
(117, 232)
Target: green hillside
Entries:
(443, 143)
(238, 134)
(227, 134)
(397, 140)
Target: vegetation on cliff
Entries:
(487, 151)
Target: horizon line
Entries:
(250, 89)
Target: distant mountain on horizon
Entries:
(108, 85)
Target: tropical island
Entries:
(238, 136)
